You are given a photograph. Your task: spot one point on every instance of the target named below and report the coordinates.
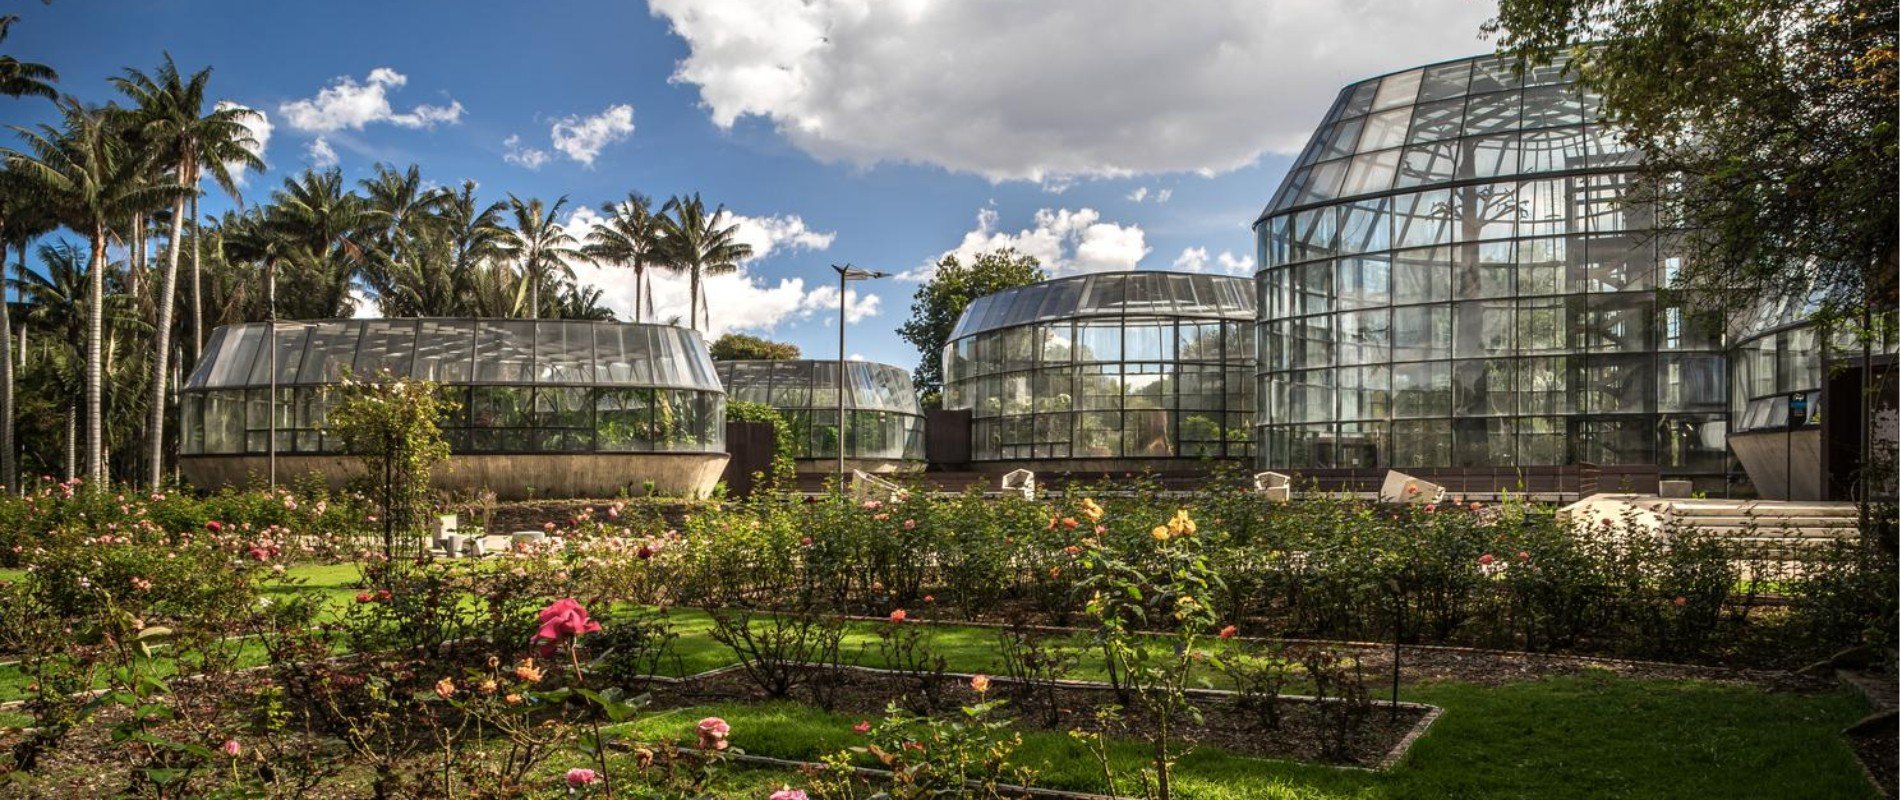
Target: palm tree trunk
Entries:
(197, 288)
(72, 442)
(161, 351)
(95, 361)
(692, 300)
(8, 469)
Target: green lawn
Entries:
(1598, 735)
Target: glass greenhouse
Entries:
(1124, 366)
(520, 386)
(884, 420)
(1452, 276)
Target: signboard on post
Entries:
(1797, 409)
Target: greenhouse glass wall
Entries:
(1453, 277)
(1784, 366)
(521, 389)
(1107, 371)
(885, 424)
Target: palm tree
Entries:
(326, 231)
(59, 312)
(694, 242)
(23, 78)
(170, 116)
(540, 246)
(583, 302)
(630, 237)
(22, 219)
(91, 179)
(401, 208)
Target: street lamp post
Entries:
(846, 274)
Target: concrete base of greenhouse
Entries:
(511, 476)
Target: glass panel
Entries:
(1398, 90)
(387, 346)
(1428, 164)
(1371, 172)
(1385, 129)
(1421, 332)
(1434, 122)
(1445, 80)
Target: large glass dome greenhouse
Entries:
(542, 407)
(1457, 278)
(884, 423)
(1108, 371)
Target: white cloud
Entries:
(1013, 90)
(823, 302)
(743, 300)
(260, 126)
(367, 307)
(582, 138)
(1139, 193)
(1163, 195)
(1195, 259)
(322, 156)
(523, 156)
(786, 231)
(1064, 241)
(347, 104)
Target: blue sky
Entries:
(1098, 134)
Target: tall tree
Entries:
(700, 245)
(169, 115)
(540, 247)
(326, 229)
(401, 207)
(940, 301)
(1767, 128)
(24, 78)
(91, 178)
(630, 236)
(22, 219)
(746, 347)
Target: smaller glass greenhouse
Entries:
(520, 388)
(884, 421)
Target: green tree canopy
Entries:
(940, 301)
(741, 347)
(1768, 128)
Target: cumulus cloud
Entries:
(743, 300)
(1065, 241)
(782, 231)
(322, 156)
(260, 127)
(1195, 259)
(1012, 90)
(349, 105)
(823, 302)
(582, 138)
(520, 156)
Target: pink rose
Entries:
(712, 733)
(899, 615)
(581, 776)
(563, 619)
(863, 726)
(231, 748)
(789, 794)
(1486, 559)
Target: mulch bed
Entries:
(1300, 735)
